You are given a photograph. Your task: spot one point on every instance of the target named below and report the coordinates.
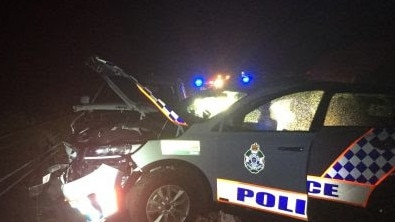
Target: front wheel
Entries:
(167, 195)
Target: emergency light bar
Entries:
(219, 81)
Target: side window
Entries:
(294, 112)
(349, 109)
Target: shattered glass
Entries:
(346, 109)
(293, 112)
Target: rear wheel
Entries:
(167, 195)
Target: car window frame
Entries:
(357, 91)
(229, 120)
(330, 88)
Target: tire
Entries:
(167, 195)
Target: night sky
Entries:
(47, 42)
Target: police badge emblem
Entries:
(254, 160)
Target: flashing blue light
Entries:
(198, 82)
(245, 78)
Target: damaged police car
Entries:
(304, 151)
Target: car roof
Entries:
(304, 83)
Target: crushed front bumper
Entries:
(94, 195)
(36, 190)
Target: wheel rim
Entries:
(169, 203)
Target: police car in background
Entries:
(308, 151)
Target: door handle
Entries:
(290, 148)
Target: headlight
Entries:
(109, 150)
(94, 195)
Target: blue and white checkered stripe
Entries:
(364, 163)
(169, 113)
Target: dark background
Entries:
(45, 43)
(44, 46)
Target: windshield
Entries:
(209, 104)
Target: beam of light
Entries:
(94, 195)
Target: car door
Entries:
(353, 158)
(263, 149)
